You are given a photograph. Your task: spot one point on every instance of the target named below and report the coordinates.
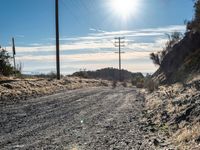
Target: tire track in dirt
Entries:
(96, 118)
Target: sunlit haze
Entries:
(124, 8)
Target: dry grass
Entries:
(151, 85)
(171, 108)
(153, 102)
(16, 88)
(175, 100)
(186, 136)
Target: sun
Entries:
(124, 8)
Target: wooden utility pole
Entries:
(57, 39)
(119, 43)
(14, 52)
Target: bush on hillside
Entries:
(5, 67)
(194, 24)
(150, 84)
(138, 82)
(173, 39)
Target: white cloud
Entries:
(143, 32)
(19, 36)
(88, 57)
(133, 61)
(101, 42)
(96, 30)
(67, 68)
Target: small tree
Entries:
(194, 24)
(155, 58)
(5, 66)
(173, 39)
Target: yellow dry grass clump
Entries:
(186, 136)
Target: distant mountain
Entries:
(108, 74)
(182, 61)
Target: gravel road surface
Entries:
(93, 118)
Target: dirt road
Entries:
(95, 118)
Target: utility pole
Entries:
(14, 52)
(119, 43)
(57, 39)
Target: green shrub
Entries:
(5, 67)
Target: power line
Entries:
(119, 43)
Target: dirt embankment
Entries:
(12, 89)
(172, 115)
(182, 61)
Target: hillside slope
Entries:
(182, 61)
(172, 111)
(171, 115)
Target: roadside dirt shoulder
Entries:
(172, 115)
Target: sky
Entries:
(87, 32)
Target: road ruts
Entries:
(84, 119)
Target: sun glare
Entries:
(124, 8)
